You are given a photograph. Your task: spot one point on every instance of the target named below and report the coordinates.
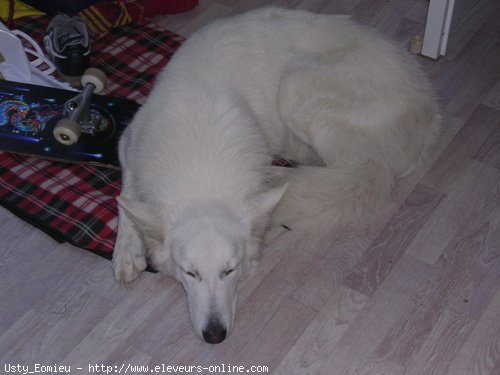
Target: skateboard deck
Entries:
(28, 114)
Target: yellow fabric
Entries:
(20, 10)
(102, 17)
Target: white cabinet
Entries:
(443, 17)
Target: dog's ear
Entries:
(264, 203)
(146, 217)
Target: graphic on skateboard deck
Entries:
(29, 114)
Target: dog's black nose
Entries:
(214, 332)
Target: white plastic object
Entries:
(67, 131)
(16, 66)
(96, 77)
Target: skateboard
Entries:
(64, 125)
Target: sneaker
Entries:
(67, 44)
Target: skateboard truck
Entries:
(77, 116)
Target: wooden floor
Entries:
(416, 292)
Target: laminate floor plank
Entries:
(472, 197)
(415, 290)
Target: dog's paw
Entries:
(127, 268)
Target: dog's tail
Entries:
(324, 196)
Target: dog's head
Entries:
(207, 247)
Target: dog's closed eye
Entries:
(193, 274)
(226, 273)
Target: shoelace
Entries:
(67, 34)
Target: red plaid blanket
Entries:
(76, 203)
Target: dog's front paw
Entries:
(128, 267)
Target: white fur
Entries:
(320, 89)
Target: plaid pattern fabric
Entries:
(76, 203)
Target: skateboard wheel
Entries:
(67, 132)
(95, 77)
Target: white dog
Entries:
(319, 89)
